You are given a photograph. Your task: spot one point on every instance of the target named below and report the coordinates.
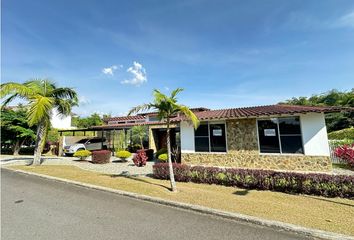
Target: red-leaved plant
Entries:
(140, 158)
(346, 152)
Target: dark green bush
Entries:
(289, 182)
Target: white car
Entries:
(86, 144)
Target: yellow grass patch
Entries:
(329, 214)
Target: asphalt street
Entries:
(37, 208)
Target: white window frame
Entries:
(279, 135)
(209, 141)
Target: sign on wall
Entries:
(217, 132)
(269, 132)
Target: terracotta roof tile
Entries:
(267, 110)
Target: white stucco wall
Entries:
(60, 122)
(314, 134)
(187, 137)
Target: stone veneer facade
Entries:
(242, 145)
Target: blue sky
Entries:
(224, 53)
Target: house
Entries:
(283, 137)
(60, 122)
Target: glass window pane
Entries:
(291, 144)
(289, 125)
(268, 136)
(217, 138)
(201, 144)
(202, 130)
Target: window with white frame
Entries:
(280, 135)
(210, 137)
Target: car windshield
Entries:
(82, 140)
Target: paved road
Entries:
(35, 208)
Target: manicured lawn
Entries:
(329, 214)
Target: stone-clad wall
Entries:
(241, 134)
(243, 153)
(252, 159)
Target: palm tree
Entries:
(43, 96)
(139, 132)
(167, 107)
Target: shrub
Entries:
(82, 154)
(133, 148)
(181, 172)
(346, 153)
(101, 156)
(347, 133)
(123, 154)
(161, 151)
(149, 153)
(140, 158)
(163, 157)
(288, 182)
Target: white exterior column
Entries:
(314, 134)
(187, 137)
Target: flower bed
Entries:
(346, 152)
(288, 182)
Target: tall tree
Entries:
(15, 129)
(334, 121)
(166, 108)
(85, 122)
(43, 96)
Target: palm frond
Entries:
(63, 106)
(15, 88)
(66, 93)
(8, 100)
(40, 109)
(175, 92)
(159, 96)
(140, 108)
(190, 115)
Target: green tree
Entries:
(139, 133)
(43, 96)
(85, 122)
(15, 129)
(167, 107)
(334, 121)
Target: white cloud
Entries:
(167, 88)
(83, 100)
(345, 21)
(138, 73)
(110, 70)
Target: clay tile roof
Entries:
(267, 110)
(125, 125)
(125, 118)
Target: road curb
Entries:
(205, 210)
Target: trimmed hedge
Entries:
(289, 182)
(101, 156)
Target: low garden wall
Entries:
(288, 182)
